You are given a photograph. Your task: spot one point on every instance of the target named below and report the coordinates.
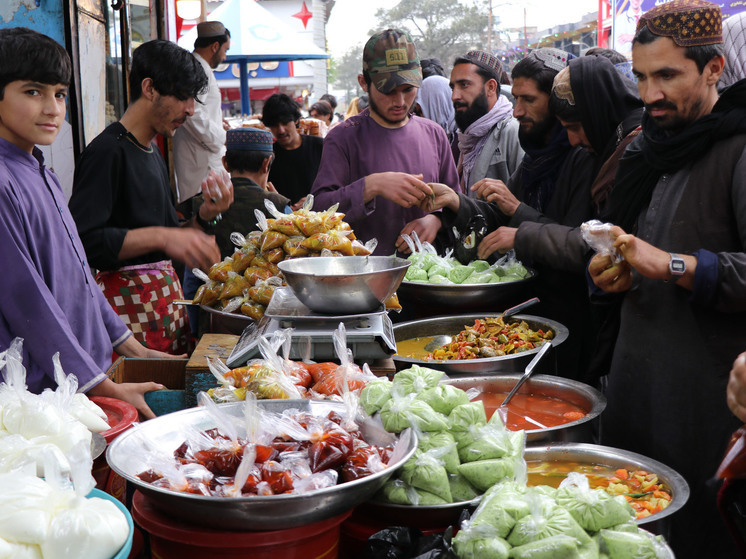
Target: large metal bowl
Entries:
(452, 325)
(594, 454)
(590, 400)
(222, 322)
(127, 456)
(347, 285)
(430, 299)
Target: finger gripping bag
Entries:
(593, 509)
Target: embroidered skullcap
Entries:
(562, 88)
(554, 59)
(687, 22)
(207, 29)
(488, 62)
(248, 139)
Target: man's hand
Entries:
(298, 205)
(191, 246)
(501, 240)
(495, 191)
(217, 191)
(443, 197)
(426, 227)
(736, 391)
(131, 392)
(401, 188)
(611, 277)
(132, 348)
(648, 260)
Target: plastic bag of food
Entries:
(274, 255)
(77, 404)
(631, 544)
(550, 547)
(441, 440)
(347, 376)
(479, 542)
(294, 248)
(461, 489)
(464, 416)
(593, 509)
(508, 496)
(242, 258)
(219, 271)
(415, 380)
(208, 293)
(264, 289)
(597, 235)
(375, 394)
(401, 412)
(234, 286)
(443, 398)
(360, 249)
(542, 524)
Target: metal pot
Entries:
(590, 400)
(591, 454)
(452, 325)
(222, 322)
(127, 456)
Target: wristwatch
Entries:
(207, 225)
(676, 266)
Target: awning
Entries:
(257, 35)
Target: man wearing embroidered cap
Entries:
(488, 134)
(377, 163)
(679, 209)
(199, 143)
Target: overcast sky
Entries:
(350, 20)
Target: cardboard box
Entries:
(168, 372)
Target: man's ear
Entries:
(492, 87)
(714, 69)
(225, 164)
(361, 81)
(148, 89)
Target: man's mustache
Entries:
(660, 105)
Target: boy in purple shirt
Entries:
(47, 294)
(377, 164)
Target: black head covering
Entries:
(655, 152)
(604, 98)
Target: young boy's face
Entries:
(31, 113)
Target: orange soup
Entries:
(525, 411)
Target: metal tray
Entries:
(452, 325)
(127, 457)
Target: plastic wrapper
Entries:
(293, 247)
(347, 376)
(479, 542)
(234, 286)
(557, 522)
(631, 544)
(242, 259)
(426, 471)
(597, 235)
(264, 289)
(219, 271)
(254, 274)
(375, 394)
(442, 440)
(407, 411)
(415, 380)
(593, 509)
(553, 547)
(461, 489)
(272, 239)
(465, 416)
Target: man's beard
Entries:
(537, 134)
(478, 108)
(675, 121)
(374, 108)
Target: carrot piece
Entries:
(622, 473)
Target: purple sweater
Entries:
(359, 147)
(47, 294)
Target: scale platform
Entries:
(369, 335)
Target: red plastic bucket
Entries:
(120, 416)
(173, 539)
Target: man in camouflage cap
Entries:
(679, 209)
(377, 164)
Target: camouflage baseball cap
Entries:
(391, 59)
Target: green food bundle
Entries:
(574, 522)
(459, 454)
(431, 268)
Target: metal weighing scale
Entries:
(369, 335)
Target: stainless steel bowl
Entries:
(222, 322)
(617, 458)
(430, 299)
(344, 285)
(127, 456)
(587, 398)
(452, 325)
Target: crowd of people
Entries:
(535, 150)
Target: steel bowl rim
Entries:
(677, 481)
(111, 449)
(596, 397)
(224, 314)
(401, 263)
(560, 330)
(456, 287)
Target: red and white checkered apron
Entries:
(143, 298)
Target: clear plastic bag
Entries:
(597, 235)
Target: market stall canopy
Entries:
(257, 35)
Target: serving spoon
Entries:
(503, 409)
(443, 339)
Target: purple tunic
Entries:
(359, 147)
(47, 294)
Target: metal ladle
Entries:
(503, 409)
(443, 339)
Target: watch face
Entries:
(677, 266)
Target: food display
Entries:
(544, 410)
(460, 454)
(428, 267)
(487, 337)
(518, 522)
(244, 282)
(644, 491)
(296, 452)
